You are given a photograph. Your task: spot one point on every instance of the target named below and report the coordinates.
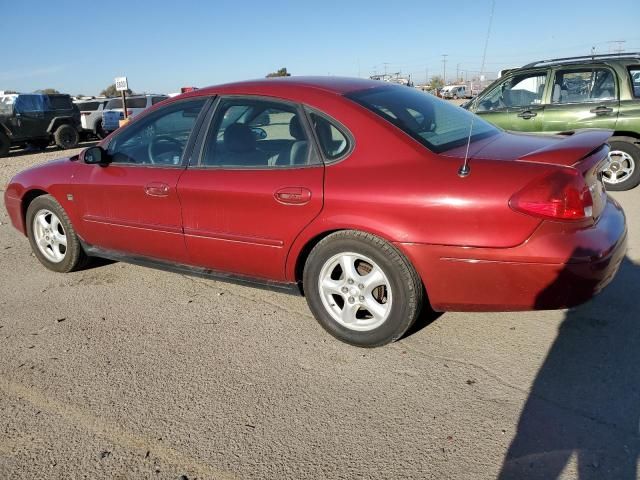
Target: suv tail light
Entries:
(560, 195)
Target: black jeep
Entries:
(36, 119)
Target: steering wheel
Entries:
(165, 141)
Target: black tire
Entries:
(74, 257)
(40, 144)
(627, 146)
(405, 285)
(5, 145)
(66, 137)
(100, 133)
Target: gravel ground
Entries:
(125, 372)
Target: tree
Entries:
(111, 91)
(48, 91)
(280, 73)
(436, 82)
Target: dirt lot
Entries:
(125, 372)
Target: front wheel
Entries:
(361, 289)
(623, 169)
(53, 239)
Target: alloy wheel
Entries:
(619, 167)
(49, 235)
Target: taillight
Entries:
(85, 113)
(560, 195)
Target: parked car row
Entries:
(114, 112)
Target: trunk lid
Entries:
(584, 150)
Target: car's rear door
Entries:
(257, 184)
(131, 205)
(582, 97)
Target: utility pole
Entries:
(444, 68)
(386, 64)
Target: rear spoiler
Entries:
(571, 148)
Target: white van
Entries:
(454, 91)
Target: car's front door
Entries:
(131, 204)
(516, 103)
(582, 98)
(257, 184)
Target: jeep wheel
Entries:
(66, 137)
(623, 170)
(5, 144)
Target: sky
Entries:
(78, 47)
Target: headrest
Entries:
(295, 128)
(239, 138)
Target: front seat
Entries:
(240, 147)
(299, 148)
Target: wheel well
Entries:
(29, 197)
(634, 135)
(304, 254)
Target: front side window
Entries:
(158, 139)
(436, 124)
(518, 91)
(30, 104)
(258, 134)
(583, 85)
(634, 76)
(332, 141)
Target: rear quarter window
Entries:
(137, 102)
(88, 106)
(634, 77)
(60, 103)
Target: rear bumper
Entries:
(560, 265)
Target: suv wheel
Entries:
(66, 137)
(361, 289)
(5, 144)
(623, 170)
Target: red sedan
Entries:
(350, 191)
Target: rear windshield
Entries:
(436, 124)
(89, 106)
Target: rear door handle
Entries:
(601, 110)
(527, 114)
(157, 189)
(293, 195)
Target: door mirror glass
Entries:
(95, 155)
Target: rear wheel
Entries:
(53, 239)
(622, 172)
(361, 289)
(66, 137)
(5, 144)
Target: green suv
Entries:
(562, 95)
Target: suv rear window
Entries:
(634, 74)
(436, 124)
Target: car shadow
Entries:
(427, 317)
(585, 400)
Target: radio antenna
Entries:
(464, 170)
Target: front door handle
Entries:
(601, 110)
(527, 114)
(157, 189)
(293, 195)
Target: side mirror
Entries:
(95, 156)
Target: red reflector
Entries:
(560, 195)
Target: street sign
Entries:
(121, 84)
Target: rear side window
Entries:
(30, 103)
(634, 74)
(155, 100)
(333, 142)
(60, 103)
(583, 86)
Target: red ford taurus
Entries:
(350, 191)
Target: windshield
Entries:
(436, 124)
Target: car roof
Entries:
(336, 85)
